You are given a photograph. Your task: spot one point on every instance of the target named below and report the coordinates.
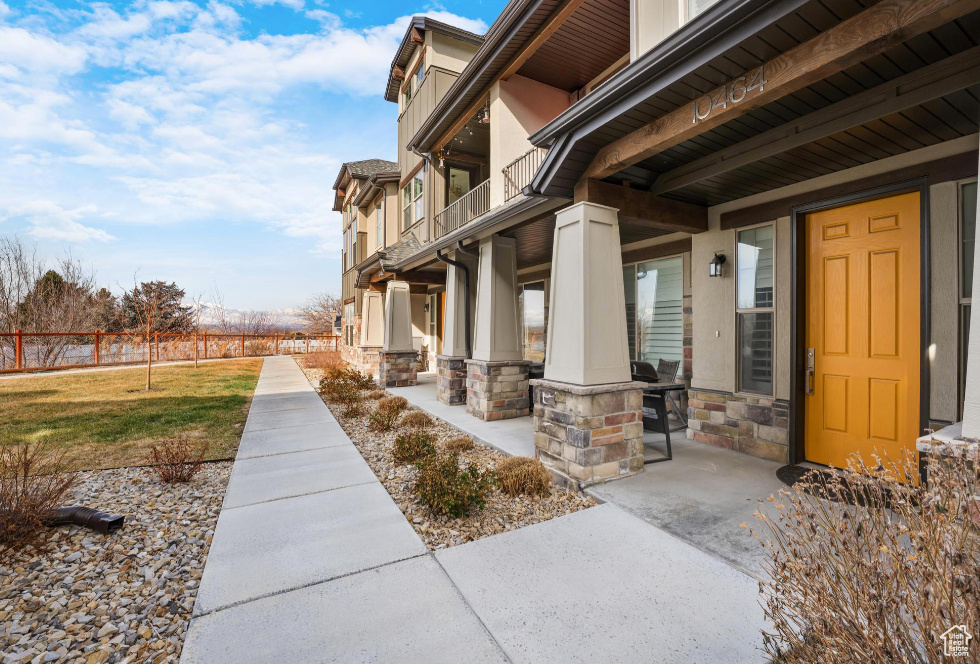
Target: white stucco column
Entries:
(497, 335)
(372, 319)
(587, 342)
(398, 319)
(971, 396)
(454, 331)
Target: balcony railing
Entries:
(465, 209)
(519, 173)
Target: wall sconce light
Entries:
(485, 119)
(714, 267)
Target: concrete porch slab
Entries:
(267, 478)
(514, 437)
(601, 585)
(277, 546)
(403, 613)
(291, 439)
(702, 496)
(290, 418)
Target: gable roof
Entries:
(404, 53)
(362, 170)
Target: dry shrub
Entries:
(385, 414)
(359, 380)
(449, 490)
(177, 460)
(458, 444)
(417, 421)
(33, 483)
(325, 360)
(395, 403)
(352, 402)
(879, 578)
(374, 395)
(413, 447)
(517, 475)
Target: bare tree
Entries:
(320, 312)
(149, 304)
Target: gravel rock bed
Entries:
(126, 597)
(500, 513)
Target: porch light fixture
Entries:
(714, 267)
(485, 118)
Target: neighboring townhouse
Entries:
(359, 186)
(779, 194)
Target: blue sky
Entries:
(197, 141)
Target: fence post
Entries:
(275, 346)
(307, 345)
(205, 345)
(243, 345)
(98, 343)
(19, 350)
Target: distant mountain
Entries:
(283, 319)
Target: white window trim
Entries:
(737, 349)
(962, 301)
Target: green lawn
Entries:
(105, 419)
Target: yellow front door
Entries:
(862, 290)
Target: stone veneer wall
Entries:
(367, 359)
(587, 435)
(397, 368)
(451, 380)
(758, 426)
(497, 390)
(348, 353)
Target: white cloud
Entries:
(50, 221)
(37, 54)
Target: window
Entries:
(533, 305)
(968, 235)
(344, 250)
(655, 309)
(380, 222)
(754, 307)
(413, 207)
(349, 323)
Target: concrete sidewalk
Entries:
(313, 562)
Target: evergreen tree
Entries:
(168, 312)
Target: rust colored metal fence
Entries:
(30, 351)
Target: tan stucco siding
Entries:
(713, 309)
(944, 301)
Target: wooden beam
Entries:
(541, 35)
(936, 80)
(397, 73)
(423, 277)
(643, 208)
(872, 31)
(416, 37)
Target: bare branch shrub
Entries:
(878, 577)
(33, 483)
(177, 460)
(320, 313)
(517, 475)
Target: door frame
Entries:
(798, 308)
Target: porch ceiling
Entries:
(592, 39)
(944, 118)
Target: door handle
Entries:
(810, 370)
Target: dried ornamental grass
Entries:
(374, 395)
(325, 360)
(523, 475)
(879, 580)
(446, 489)
(458, 444)
(33, 483)
(413, 447)
(177, 460)
(417, 421)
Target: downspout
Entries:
(466, 294)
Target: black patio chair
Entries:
(667, 371)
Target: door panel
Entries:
(862, 286)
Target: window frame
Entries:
(407, 207)
(418, 199)
(635, 341)
(741, 311)
(379, 223)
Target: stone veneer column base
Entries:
(397, 368)
(758, 426)
(451, 379)
(367, 358)
(588, 434)
(497, 390)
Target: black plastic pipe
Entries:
(77, 515)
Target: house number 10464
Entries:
(732, 93)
